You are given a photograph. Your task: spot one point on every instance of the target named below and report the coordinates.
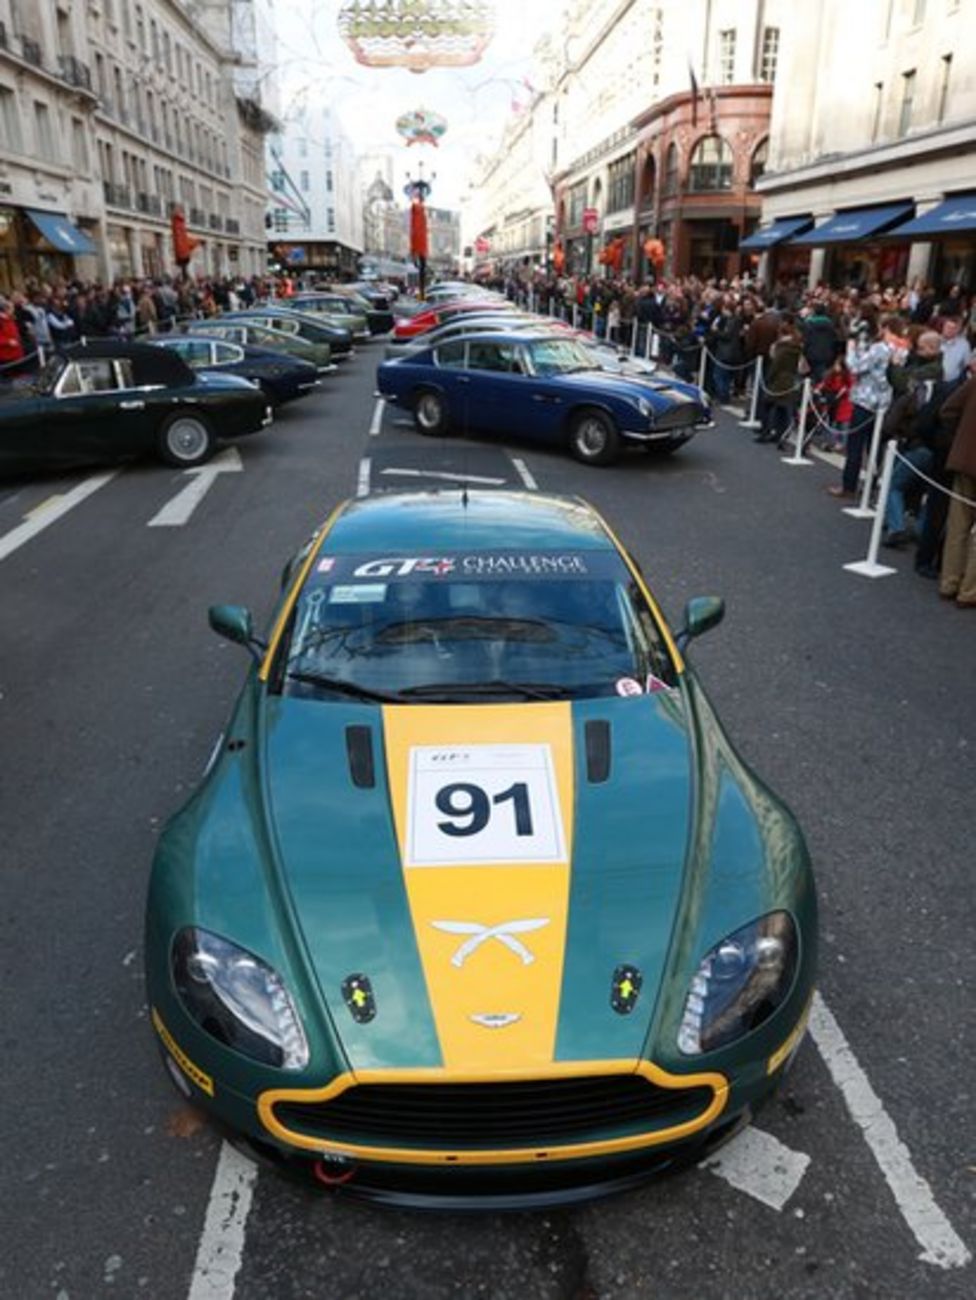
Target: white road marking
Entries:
(362, 483)
(930, 1227)
(377, 420)
(49, 511)
(221, 1246)
(451, 478)
(524, 473)
(178, 511)
(759, 1164)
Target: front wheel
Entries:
(430, 414)
(593, 438)
(185, 440)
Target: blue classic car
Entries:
(544, 387)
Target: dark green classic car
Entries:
(476, 903)
(107, 401)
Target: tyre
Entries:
(593, 438)
(430, 413)
(185, 440)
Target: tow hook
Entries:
(333, 1171)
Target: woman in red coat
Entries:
(11, 348)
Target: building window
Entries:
(10, 139)
(878, 105)
(726, 57)
(577, 202)
(759, 159)
(621, 183)
(43, 131)
(770, 54)
(328, 182)
(907, 101)
(303, 148)
(711, 165)
(330, 218)
(671, 170)
(303, 181)
(944, 87)
(79, 146)
(280, 218)
(278, 181)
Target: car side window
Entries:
(124, 375)
(69, 385)
(96, 375)
(198, 352)
(286, 326)
(492, 356)
(225, 354)
(450, 356)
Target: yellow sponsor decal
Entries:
(485, 837)
(192, 1072)
(785, 1050)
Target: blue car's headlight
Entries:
(739, 984)
(645, 408)
(238, 998)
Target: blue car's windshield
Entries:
(559, 357)
(482, 625)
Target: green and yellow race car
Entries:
(476, 904)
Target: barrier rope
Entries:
(839, 433)
(730, 365)
(21, 361)
(932, 483)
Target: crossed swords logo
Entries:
(504, 932)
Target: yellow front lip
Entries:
(502, 1156)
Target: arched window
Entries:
(671, 170)
(647, 183)
(711, 165)
(760, 156)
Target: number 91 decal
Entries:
(483, 804)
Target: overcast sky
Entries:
(315, 63)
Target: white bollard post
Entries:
(655, 343)
(702, 365)
(575, 315)
(753, 422)
(869, 567)
(863, 510)
(798, 457)
(40, 355)
(633, 337)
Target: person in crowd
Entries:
(146, 315)
(782, 381)
(725, 343)
(821, 342)
(60, 324)
(957, 579)
(867, 359)
(11, 348)
(41, 329)
(913, 386)
(124, 312)
(832, 401)
(955, 349)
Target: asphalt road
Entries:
(853, 698)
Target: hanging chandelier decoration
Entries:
(417, 34)
(420, 126)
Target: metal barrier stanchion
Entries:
(702, 366)
(798, 457)
(655, 343)
(40, 355)
(869, 567)
(863, 510)
(753, 422)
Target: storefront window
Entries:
(711, 165)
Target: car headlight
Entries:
(645, 408)
(238, 998)
(739, 984)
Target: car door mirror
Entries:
(701, 614)
(235, 623)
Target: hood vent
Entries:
(597, 751)
(359, 748)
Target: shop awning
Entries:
(950, 216)
(59, 231)
(774, 233)
(846, 227)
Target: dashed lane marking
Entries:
(48, 512)
(177, 511)
(362, 482)
(524, 473)
(932, 1230)
(221, 1248)
(451, 478)
(377, 420)
(760, 1165)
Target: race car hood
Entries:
(542, 936)
(656, 391)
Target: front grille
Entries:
(534, 1113)
(680, 417)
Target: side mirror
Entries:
(234, 622)
(701, 614)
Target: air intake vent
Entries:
(359, 747)
(597, 751)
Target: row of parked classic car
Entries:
(178, 395)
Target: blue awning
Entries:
(952, 215)
(774, 233)
(59, 231)
(846, 227)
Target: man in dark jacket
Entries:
(957, 581)
(821, 342)
(915, 385)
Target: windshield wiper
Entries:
(450, 690)
(342, 687)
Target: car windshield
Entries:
(48, 374)
(468, 627)
(559, 357)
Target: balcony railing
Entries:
(215, 221)
(75, 72)
(149, 203)
(31, 51)
(232, 226)
(118, 196)
(197, 217)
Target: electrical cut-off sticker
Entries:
(357, 993)
(473, 804)
(326, 564)
(363, 593)
(628, 686)
(625, 989)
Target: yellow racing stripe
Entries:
(491, 934)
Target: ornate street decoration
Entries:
(420, 126)
(417, 34)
